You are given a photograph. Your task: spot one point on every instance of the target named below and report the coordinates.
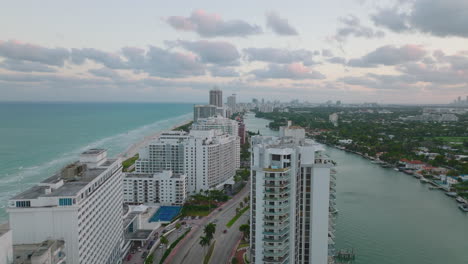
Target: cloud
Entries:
(212, 25)
(164, 63)
(23, 51)
(337, 60)
(111, 60)
(352, 27)
(295, 71)
(223, 72)
(25, 66)
(389, 55)
(216, 52)
(439, 18)
(280, 25)
(327, 53)
(282, 56)
(105, 72)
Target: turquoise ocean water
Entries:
(36, 139)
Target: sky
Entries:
(384, 51)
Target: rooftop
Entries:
(24, 252)
(74, 176)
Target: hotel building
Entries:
(290, 200)
(81, 205)
(163, 188)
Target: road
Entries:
(189, 250)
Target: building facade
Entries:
(81, 205)
(231, 103)
(6, 245)
(226, 125)
(204, 111)
(47, 252)
(165, 188)
(290, 200)
(216, 97)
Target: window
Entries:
(65, 201)
(23, 203)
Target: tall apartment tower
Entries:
(231, 102)
(216, 97)
(81, 205)
(290, 198)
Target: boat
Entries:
(417, 175)
(396, 169)
(386, 165)
(460, 199)
(409, 172)
(463, 207)
(424, 180)
(451, 194)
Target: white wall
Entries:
(6, 248)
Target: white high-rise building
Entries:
(226, 125)
(208, 158)
(81, 205)
(231, 103)
(204, 111)
(290, 200)
(212, 158)
(163, 188)
(165, 153)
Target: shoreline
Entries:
(133, 149)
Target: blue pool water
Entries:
(165, 214)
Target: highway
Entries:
(189, 250)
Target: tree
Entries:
(234, 260)
(164, 240)
(245, 229)
(241, 204)
(204, 242)
(178, 225)
(209, 230)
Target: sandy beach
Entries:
(133, 149)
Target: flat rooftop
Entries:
(24, 252)
(72, 184)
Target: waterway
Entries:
(389, 217)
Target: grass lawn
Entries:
(237, 216)
(195, 213)
(129, 162)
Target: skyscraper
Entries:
(231, 102)
(290, 200)
(81, 204)
(216, 97)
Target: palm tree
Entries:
(204, 242)
(164, 240)
(209, 230)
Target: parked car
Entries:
(129, 257)
(139, 249)
(225, 231)
(144, 255)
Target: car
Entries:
(197, 217)
(220, 209)
(144, 255)
(129, 257)
(139, 249)
(225, 231)
(161, 245)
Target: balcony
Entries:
(276, 260)
(276, 206)
(282, 231)
(275, 169)
(279, 212)
(283, 190)
(276, 198)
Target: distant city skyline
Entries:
(355, 51)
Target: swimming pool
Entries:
(165, 214)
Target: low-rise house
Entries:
(413, 164)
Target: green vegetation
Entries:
(129, 162)
(207, 258)
(234, 260)
(201, 204)
(384, 135)
(245, 229)
(245, 259)
(168, 251)
(149, 259)
(185, 127)
(205, 240)
(237, 216)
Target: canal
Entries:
(389, 217)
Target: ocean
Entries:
(37, 139)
